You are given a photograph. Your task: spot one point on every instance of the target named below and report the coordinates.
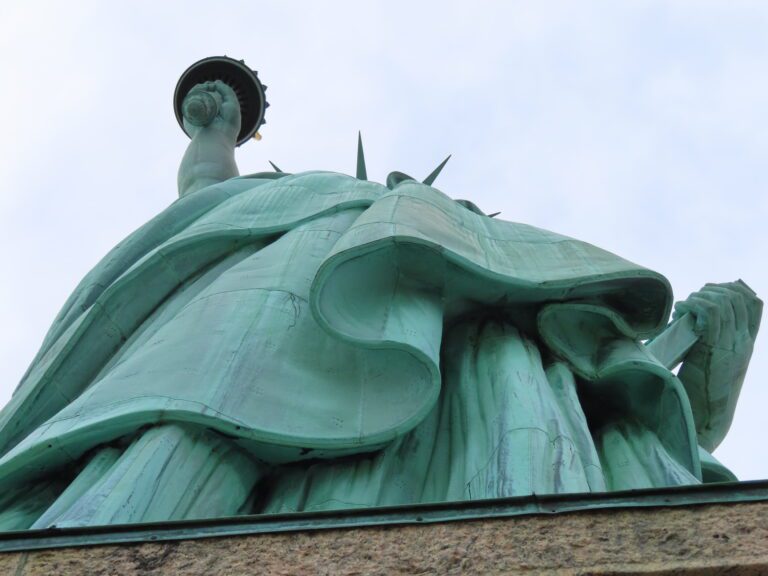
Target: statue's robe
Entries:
(335, 343)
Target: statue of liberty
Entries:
(315, 341)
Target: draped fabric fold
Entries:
(304, 316)
(621, 378)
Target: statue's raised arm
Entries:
(212, 119)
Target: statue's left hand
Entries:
(727, 320)
(226, 119)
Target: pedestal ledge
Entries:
(703, 530)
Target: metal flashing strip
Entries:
(720, 493)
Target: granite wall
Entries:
(702, 540)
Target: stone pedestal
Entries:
(672, 532)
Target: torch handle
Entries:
(201, 107)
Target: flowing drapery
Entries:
(304, 318)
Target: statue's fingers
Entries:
(719, 297)
(681, 309)
(738, 304)
(740, 287)
(689, 305)
(744, 286)
(727, 333)
(231, 104)
(230, 111)
(219, 86)
(753, 303)
(707, 318)
(226, 91)
(741, 313)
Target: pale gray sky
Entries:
(640, 127)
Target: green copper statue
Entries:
(275, 342)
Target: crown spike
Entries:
(274, 166)
(362, 173)
(436, 172)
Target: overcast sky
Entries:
(641, 127)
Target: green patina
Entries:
(307, 342)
